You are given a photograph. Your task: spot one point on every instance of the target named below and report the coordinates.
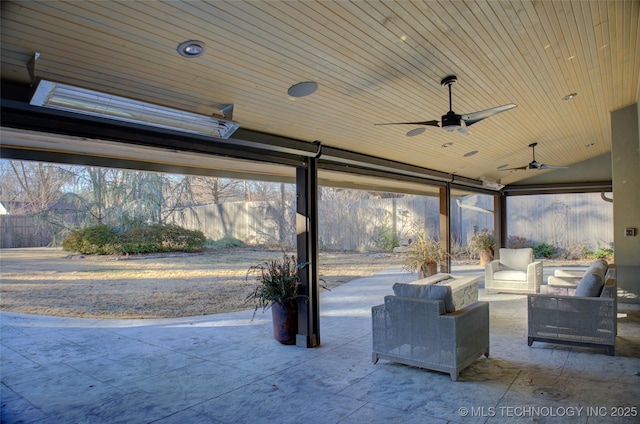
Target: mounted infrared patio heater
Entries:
(88, 102)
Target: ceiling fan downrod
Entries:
(448, 82)
(533, 147)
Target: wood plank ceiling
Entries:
(373, 61)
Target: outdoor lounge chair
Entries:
(514, 272)
(587, 318)
(419, 327)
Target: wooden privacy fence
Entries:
(251, 222)
(560, 220)
(23, 231)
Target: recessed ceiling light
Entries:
(570, 96)
(471, 153)
(571, 57)
(415, 131)
(302, 89)
(503, 166)
(191, 48)
(449, 144)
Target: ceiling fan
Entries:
(452, 121)
(534, 164)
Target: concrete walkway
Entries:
(226, 368)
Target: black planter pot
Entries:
(285, 322)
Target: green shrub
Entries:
(142, 240)
(601, 252)
(162, 238)
(96, 240)
(226, 242)
(544, 250)
(180, 239)
(102, 240)
(387, 239)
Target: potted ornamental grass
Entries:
(277, 289)
(423, 255)
(484, 244)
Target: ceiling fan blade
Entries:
(520, 168)
(472, 118)
(544, 166)
(430, 123)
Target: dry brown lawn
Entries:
(48, 281)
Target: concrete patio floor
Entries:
(226, 368)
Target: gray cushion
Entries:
(600, 264)
(591, 284)
(426, 291)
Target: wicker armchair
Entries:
(420, 333)
(575, 320)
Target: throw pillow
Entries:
(598, 264)
(591, 284)
(426, 291)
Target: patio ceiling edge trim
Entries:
(561, 188)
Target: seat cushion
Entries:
(563, 282)
(517, 259)
(510, 275)
(426, 291)
(591, 284)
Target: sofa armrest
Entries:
(574, 318)
(491, 268)
(466, 329)
(534, 274)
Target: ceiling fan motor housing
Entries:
(451, 121)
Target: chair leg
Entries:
(611, 350)
(529, 341)
(374, 358)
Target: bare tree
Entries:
(261, 190)
(35, 185)
(216, 190)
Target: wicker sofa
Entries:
(588, 317)
(514, 272)
(419, 326)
